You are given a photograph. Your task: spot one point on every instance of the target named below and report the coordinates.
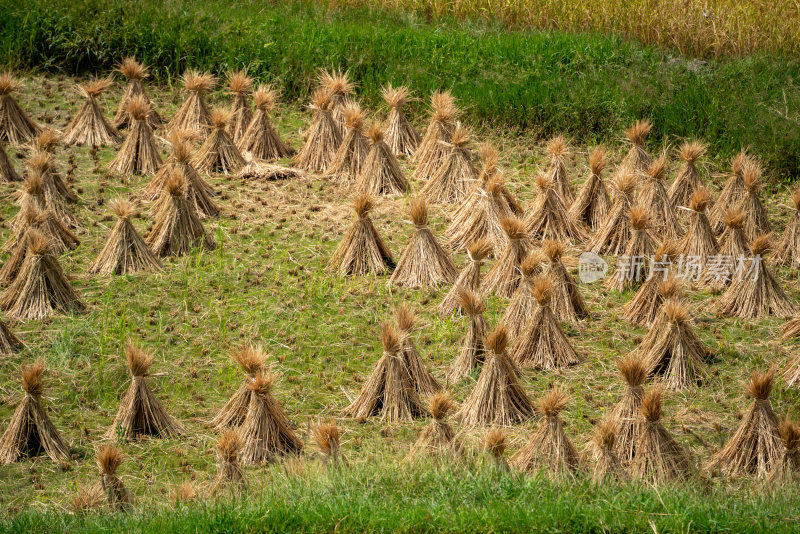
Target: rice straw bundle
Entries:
(388, 391)
(634, 267)
(140, 413)
(614, 234)
(756, 293)
(47, 140)
(16, 127)
(673, 350)
(699, 241)
(176, 227)
(666, 224)
(423, 381)
(479, 217)
(41, 288)
(637, 160)
(56, 192)
(567, 302)
(361, 250)
(7, 171)
(432, 150)
(438, 439)
(380, 172)
(489, 169)
(60, 237)
(240, 85)
(756, 447)
(732, 193)
(522, 305)
(230, 475)
(756, 221)
(323, 137)
(135, 72)
(193, 116)
(424, 261)
(606, 465)
(251, 359)
(788, 469)
(504, 276)
(498, 398)
(626, 413)
(787, 252)
(469, 278)
(89, 126)
(138, 153)
(30, 197)
(258, 170)
(401, 136)
(218, 152)
(30, 431)
(456, 176)
(261, 141)
(125, 251)
(557, 172)
(346, 165)
(9, 342)
(645, 305)
(328, 438)
(341, 89)
(549, 448)
(733, 247)
(117, 495)
(542, 343)
(473, 349)
(593, 202)
(791, 328)
(548, 218)
(659, 458)
(266, 432)
(494, 443)
(688, 180)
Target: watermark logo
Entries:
(591, 267)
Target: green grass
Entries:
(585, 84)
(429, 498)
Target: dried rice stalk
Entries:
(469, 278)
(261, 141)
(593, 202)
(755, 448)
(732, 244)
(323, 137)
(557, 172)
(125, 251)
(787, 252)
(548, 218)
(788, 469)
(401, 136)
(549, 448)
(494, 443)
(438, 438)
(361, 250)
(424, 261)
(176, 228)
(498, 398)
(117, 495)
(140, 413)
(89, 126)
(659, 458)
(421, 379)
(380, 173)
(752, 296)
(16, 127)
(504, 276)
(567, 303)
(665, 222)
(218, 153)
(688, 180)
(30, 431)
(602, 453)
(792, 329)
(349, 159)
(240, 85)
(639, 248)
(60, 237)
(135, 72)
(522, 305)
(9, 342)
(699, 240)
(756, 221)
(432, 150)
(138, 153)
(41, 288)
(645, 305)
(388, 391)
(266, 431)
(732, 193)
(473, 349)
(614, 234)
(251, 360)
(7, 171)
(327, 436)
(256, 170)
(56, 192)
(30, 197)
(542, 344)
(479, 217)
(456, 177)
(193, 116)
(638, 160)
(341, 89)
(626, 412)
